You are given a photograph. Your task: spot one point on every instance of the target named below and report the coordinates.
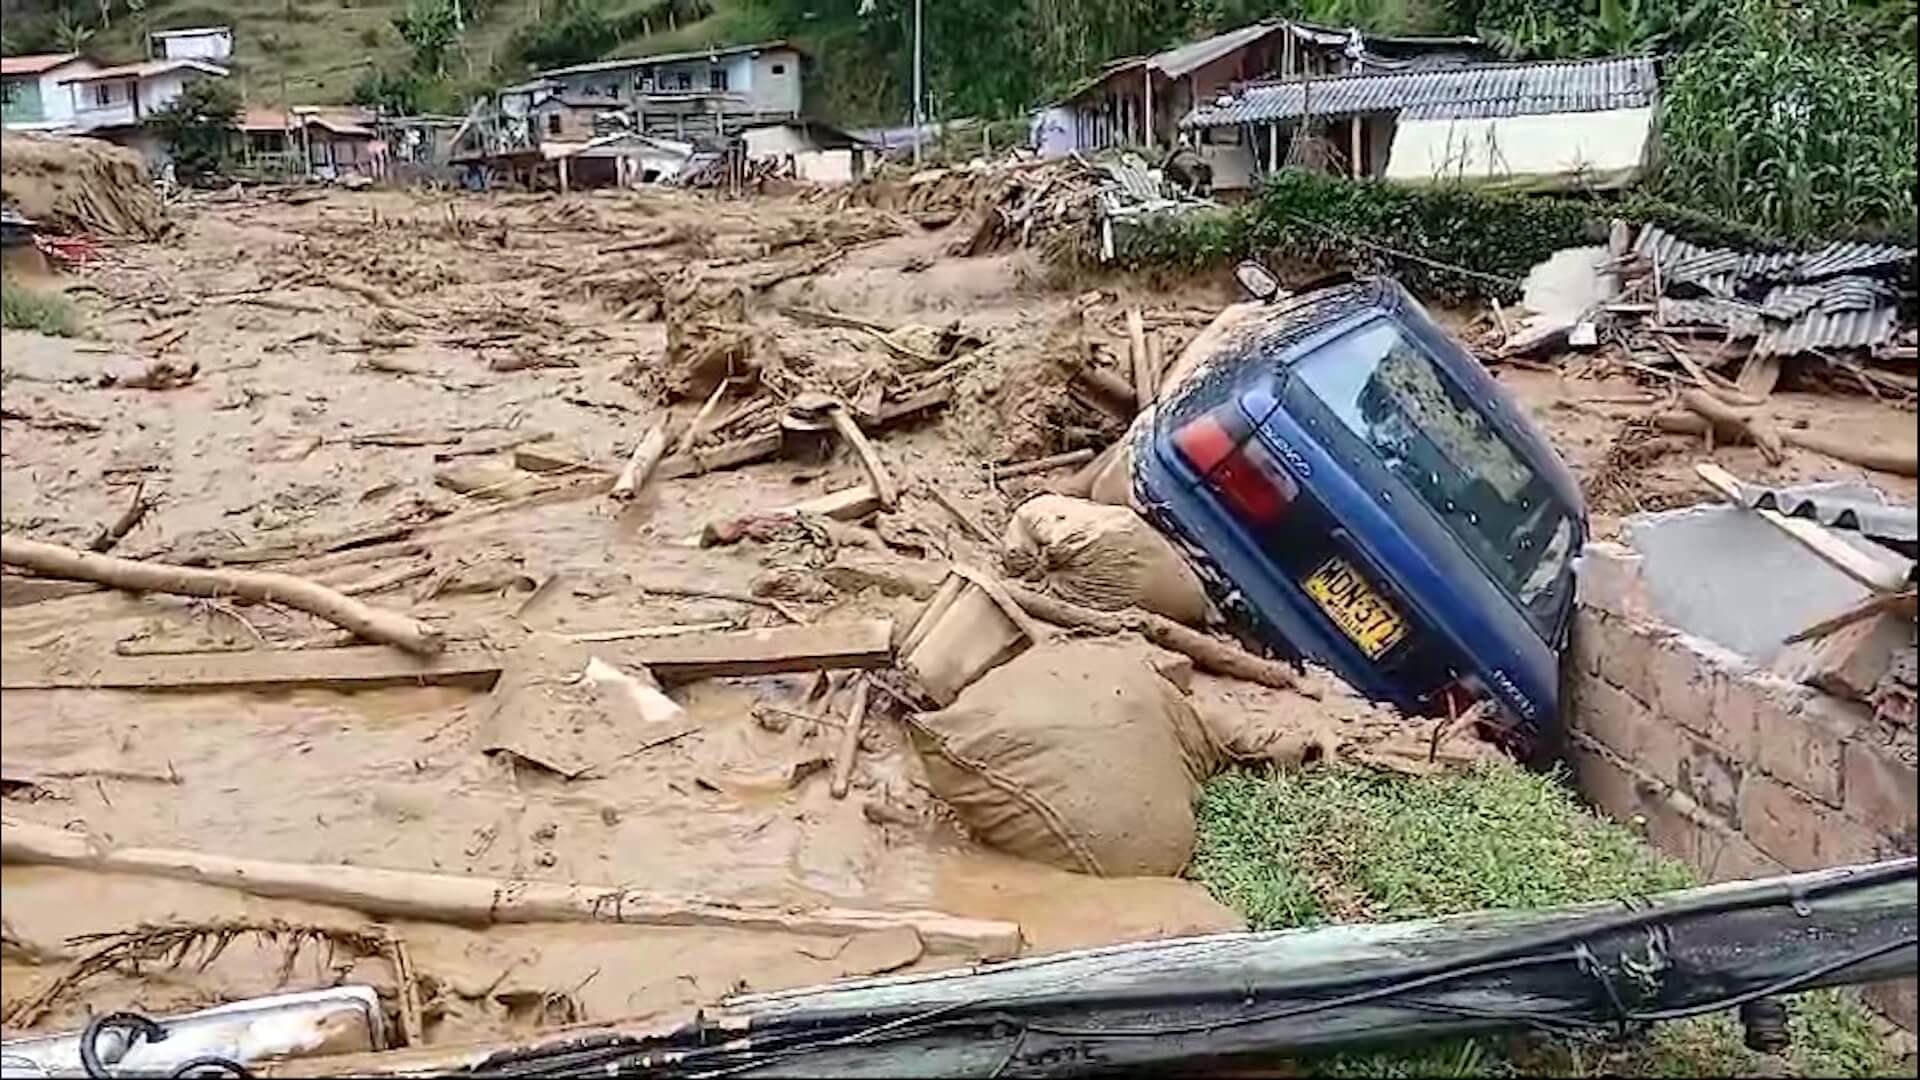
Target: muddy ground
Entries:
(366, 366)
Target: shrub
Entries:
(1416, 234)
(22, 308)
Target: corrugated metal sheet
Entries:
(1807, 300)
(1724, 272)
(1194, 55)
(1451, 93)
(1875, 519)
(1858, 329)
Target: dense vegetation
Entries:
(1345, 844)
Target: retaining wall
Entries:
(1737, 771)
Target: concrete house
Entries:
(32, 97)
(210, 43)
(708, 91)
(113, 103)
(1558, 125)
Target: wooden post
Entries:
(1146, 113)
(1354, 162)
(1273, 146)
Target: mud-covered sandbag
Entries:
(1077, 754)
(1104, 557)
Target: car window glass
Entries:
(1391, 395)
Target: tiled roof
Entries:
(34, 64)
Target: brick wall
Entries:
(1733, 769)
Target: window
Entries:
(779, 69)
(553, 123)
(9, 93)
(1384, 390)
(102, 94)
(684, 80)
(717, 80)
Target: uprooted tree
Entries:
(198, 127)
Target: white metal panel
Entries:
(1591, 150)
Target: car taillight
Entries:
(1235, 464)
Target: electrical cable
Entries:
(137, 1026)
(765, 1045)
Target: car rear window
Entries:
(1396, 400)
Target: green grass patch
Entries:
(1289, 849)
(22, 308)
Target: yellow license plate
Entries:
(1360, 612)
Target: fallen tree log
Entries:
(1208, 654)
(1898, 460)
(372, 623)
(477, 901)
(1731, 423)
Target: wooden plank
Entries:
(692, 463)
(1759, 374)
(864, 644)
(1877, 574)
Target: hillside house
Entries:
(710, 91)
(1555, 125)
(1140, 100)
(213, 44)
(331, 144)
(32, 97)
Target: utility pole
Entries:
(919, 94)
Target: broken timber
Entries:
(864, 644)
(480, 901)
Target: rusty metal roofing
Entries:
(1446, 93)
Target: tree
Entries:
(197, 127)
(429, 28)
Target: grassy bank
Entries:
(22, 308)
(1345, 845)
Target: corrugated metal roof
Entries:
(1831, 296)
(1181, 59)
(1856, 329)
(1724, 272)
(1447, 93)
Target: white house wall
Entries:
(1592, 150)
(56, 100)
(215, 45)
(768, 92)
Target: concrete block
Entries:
(1781, 822)
(1881, 792)
(1896, 999)
(1803, 748)
(1671, 829)
(1584, 648)
(1791, 827)
(1725, 855)
(1710, 777)
(1607, 578)
(1621, 650)
(1722, 573)
(1680, 685)
(1850, 662)
(1742, 706)
(1627, 727)
(1604, 780)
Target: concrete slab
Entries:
(1723, 574)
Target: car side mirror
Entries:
(1258, 282)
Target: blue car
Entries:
(1355, 490)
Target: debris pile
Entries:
(79, 185)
